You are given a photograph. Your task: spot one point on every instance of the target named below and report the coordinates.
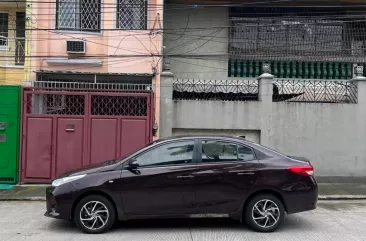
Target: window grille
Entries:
(4, 21)
(298, 34)
(78, 15)
(132, 14)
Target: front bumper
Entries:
(59, 201)
(52, 213)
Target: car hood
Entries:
(98, 167)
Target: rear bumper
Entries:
(300, 201)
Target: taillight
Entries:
(302, 170)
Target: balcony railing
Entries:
(12, 51)
(219, 90)
(315, 91)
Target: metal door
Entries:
(70, 142)
(9, 133)
(64, 129)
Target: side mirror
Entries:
(132, 165)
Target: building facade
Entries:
(307, 106)
(92, 90)
(305, 40)
(98, 37)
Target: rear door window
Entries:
(245, 154)
(222, 151)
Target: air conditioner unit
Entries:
(75, 46)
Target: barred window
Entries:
(78, 15)
(297, 33)
(132, 14)
(253, 35)
(4, 20)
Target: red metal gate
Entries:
(64, 130)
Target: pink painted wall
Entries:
(49, 43)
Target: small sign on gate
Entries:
(2, 126)
(70, 128)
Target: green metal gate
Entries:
(291, 69)
(9, 133)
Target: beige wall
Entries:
(9, 74)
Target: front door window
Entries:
(176, 153)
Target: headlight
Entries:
(63, 180)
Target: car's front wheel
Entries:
(94, 214)
(264, 213)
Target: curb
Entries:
(6, 199)
(341, 197)
(320, 197)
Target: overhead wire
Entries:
(59, 31)
(176, 56)
(93, 66)
(160, 5)
(70, 71)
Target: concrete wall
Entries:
(207, 39)
(332, 136)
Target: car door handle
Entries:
(185, 177)
(245, 173)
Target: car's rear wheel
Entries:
(94, 214)
(264, 213)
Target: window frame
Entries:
(78, 29)
(199, 147)
(5, 46)
(194, 157)
(146, 24)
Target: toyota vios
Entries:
(196, 176)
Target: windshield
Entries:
(111, 162)
(132, 152)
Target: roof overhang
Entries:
(94, 73)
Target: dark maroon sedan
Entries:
(196, 176)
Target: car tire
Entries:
(264, 213)
(94, 214)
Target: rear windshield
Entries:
(267, 151)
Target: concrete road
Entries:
(333, 220)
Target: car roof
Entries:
(264, 150)
(256, 147)
(222, 137)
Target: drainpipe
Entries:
(27, 47)
(162, 38)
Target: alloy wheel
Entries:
(94, 215)
(265, 213)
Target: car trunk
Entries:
(300, 159)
